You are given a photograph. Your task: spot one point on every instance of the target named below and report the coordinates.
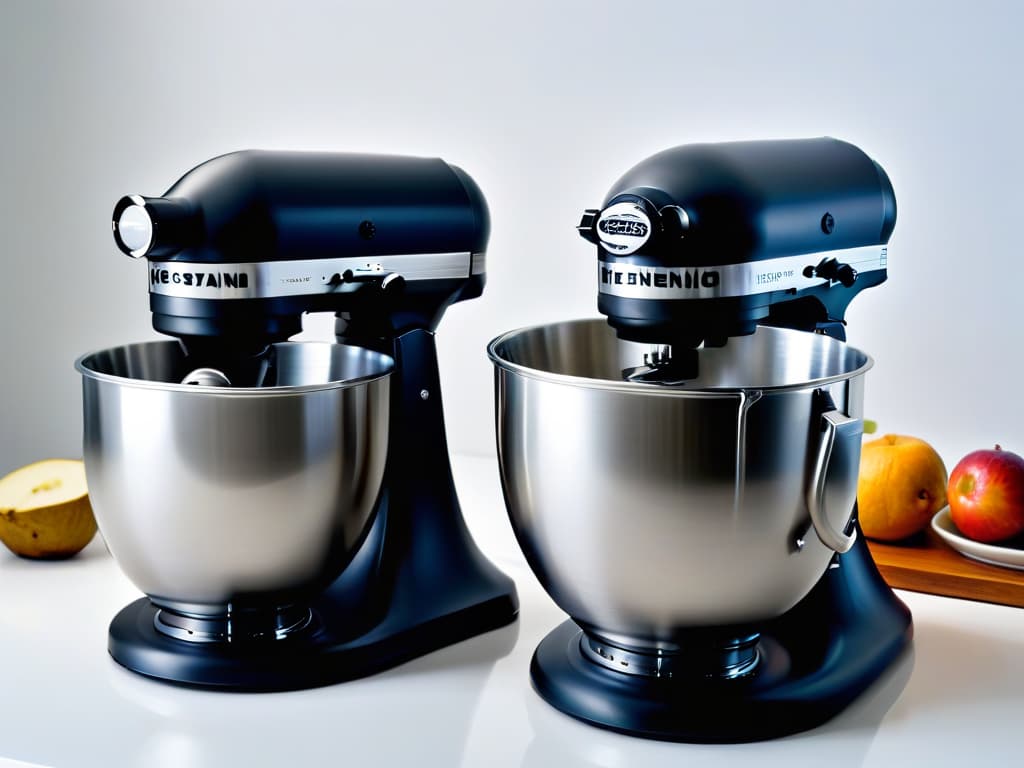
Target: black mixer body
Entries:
(695, 245)
(704, 241)
(244, 244)
(238, 250)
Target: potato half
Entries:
(45, 511)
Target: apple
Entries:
(986, 495)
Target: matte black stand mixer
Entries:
(682, 478)
(289, 508)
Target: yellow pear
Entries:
(902, 485)
(45, 511)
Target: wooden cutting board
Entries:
(928, 564)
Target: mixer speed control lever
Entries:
(587, 223)
(390, 283)
(834, 271)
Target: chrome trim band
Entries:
(274, 279)
(479, 264)
(625, 279)
(727, 660)
(229, 628)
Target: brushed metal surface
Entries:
(647, 510)
(250, 496)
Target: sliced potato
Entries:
(45, 511)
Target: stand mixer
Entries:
(314, 534)
(682, 478)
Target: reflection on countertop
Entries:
(952, 699)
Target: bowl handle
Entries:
(836, 466)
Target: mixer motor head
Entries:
(705, 241)
(244, 244)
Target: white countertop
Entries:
(957, 698)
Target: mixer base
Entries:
(323, 654)
(814, 661)
(780, 699)
(440, 591)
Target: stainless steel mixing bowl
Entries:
(648, 510)
(211, 497)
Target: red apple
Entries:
(986, 495)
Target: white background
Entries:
(545, 105)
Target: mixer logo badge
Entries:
(623, 228)
(159, 276)
(627, 227)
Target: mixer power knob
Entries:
(675, 221)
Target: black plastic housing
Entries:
(259, 205)
(754, 200)
(711, 205)
(263, 206)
